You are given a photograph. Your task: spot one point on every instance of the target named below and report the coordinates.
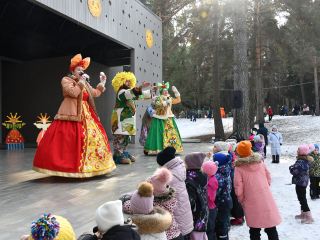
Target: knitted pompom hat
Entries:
(50, 227)
(222, 159)
(160, 180)
(316, 146)
(244, 149)
(312, 147)
(210, 168)
(166, 155)
(221, 146)
(109, 215)
(304, 150)
(142, 199)
(195, 160)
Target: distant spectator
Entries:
(264, 111)
(270, 113)
(313, 110)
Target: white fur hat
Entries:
(109, 215)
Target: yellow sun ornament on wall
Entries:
(95, 7)
(149, 38)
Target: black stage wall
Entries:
(34, 87)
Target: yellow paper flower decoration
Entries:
(95, 7)
(149, 38)
(121, 78)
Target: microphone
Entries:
(87, 79)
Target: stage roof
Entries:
(30, 32)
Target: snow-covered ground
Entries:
(295, 130)
(203, 126)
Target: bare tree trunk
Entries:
(316, 88)
(257, 62)
(241, 64)
(198, 87)
(304, 100)
(218, 126)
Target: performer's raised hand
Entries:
(145, 84)
(83, 78)
(103, 77)
(175, 91)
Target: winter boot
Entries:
(273, 159)
(308, 218)
(277, 159)
(300, 216)
(236, 221)
(125, 161)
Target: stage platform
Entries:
(25, 195)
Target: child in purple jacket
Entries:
(300, 172)
(210, 168)
(259, 143)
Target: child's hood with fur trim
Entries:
(154, 223)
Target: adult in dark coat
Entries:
(264, 131)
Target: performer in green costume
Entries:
(123, 119)
(164, 130)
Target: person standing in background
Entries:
(270, 113)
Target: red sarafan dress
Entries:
(76, 149)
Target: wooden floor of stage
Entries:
(25, 195)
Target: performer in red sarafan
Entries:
(76, 145)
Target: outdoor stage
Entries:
(25, 195)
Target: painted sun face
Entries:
(95, 7)
(149, 38)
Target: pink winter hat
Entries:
(304, 149)
(160, 180)
(312, 147)
(210, 168)
(142, 199)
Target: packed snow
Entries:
(295, 130)
(203, 126)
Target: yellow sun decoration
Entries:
(95, 7)
(149, 38)
(43, 118)
(13, 119)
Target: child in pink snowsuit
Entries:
(210, 168)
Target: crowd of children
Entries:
(194, 198)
